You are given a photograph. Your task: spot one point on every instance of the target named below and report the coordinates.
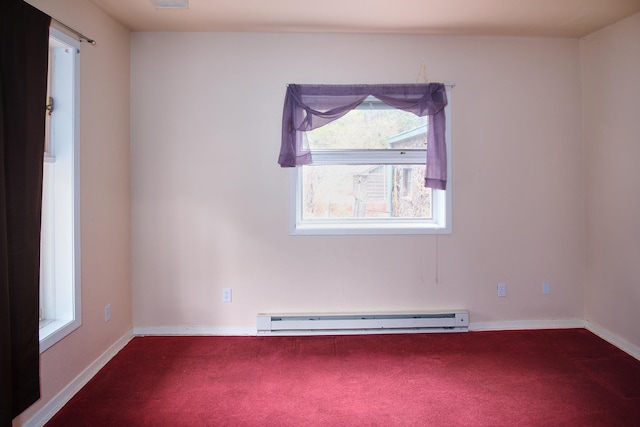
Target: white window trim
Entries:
(67, 300)
(442, 201)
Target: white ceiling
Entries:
(543, 18)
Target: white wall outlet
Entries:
(502, 289)
(107, 313)
(546, 287)
(226, 295)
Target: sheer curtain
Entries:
(24, 45)
(307, 107)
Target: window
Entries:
(60, 241)
(367, 174)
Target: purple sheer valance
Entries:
(307, 107)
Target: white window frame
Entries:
(60, 257)
(442, 200)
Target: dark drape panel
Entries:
(307, 107)
(24, 40)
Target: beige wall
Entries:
(104, 196)
(210, 205)
(611, 90)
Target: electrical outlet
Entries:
(502, 290)
(107, 313)
(226, 295)
(546, 287)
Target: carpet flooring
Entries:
(509, 378)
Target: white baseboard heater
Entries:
(338, 323)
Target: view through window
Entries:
(367, 174)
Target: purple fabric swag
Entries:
(307, 107)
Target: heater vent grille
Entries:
(362, 322)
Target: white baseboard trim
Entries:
(613, 339)
(47, 412)
(193, 330)
(527, 324)
(473, 326)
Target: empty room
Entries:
(245, 212)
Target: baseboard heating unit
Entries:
(338, 323)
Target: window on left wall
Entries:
(60, 312)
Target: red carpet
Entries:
(509, 378)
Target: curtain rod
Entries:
(446, 84)
(80, 36)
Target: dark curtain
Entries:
(24, 40)
(307, 107)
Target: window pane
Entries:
(365, 192)
(60, 267)
(371, 129)
(47, 306)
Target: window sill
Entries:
(364, 229)
(52, 331)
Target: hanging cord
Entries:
(437, 258)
